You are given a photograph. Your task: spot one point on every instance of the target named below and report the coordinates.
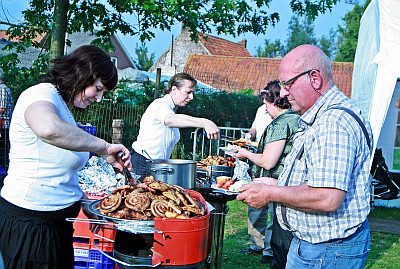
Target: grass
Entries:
(396, 159)
(385, 213)
(385, 247)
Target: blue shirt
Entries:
(6, 103)
(336, 155)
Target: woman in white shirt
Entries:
(47, 149)
(159, 126)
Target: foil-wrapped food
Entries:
(98, 178)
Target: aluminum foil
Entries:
(240, 172)
(98, 178)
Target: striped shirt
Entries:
(336, 155)
(6, 103)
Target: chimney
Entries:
(243, 43)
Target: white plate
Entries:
(215, 187)
(228, 151)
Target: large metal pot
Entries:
(214, 171)
(175, 172)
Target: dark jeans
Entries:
(140, 165)
(280, 244)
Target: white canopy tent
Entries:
(377, 69)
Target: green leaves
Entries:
(312, 8)
(271, 49)
(143, 62)
(348, 34)
(142, 17)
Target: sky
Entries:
(323, 24)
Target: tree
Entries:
(59, 29)
(327, 44)
(106, 17)
(348, 34)
(300, 31)
(143, 61)
(271, 49)
(224, 16)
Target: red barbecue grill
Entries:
(175, 243)
(170, 243)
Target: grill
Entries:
(169, 243)
(175, 243)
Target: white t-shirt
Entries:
(261, 121)
(41, 176)
(154, 136)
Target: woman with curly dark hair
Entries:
(41, 189)
(274, 145)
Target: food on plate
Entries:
(237, 185)
(243, 142)
(224, 182)
(216, 160)
(222, 179)
(111, 203)
(151, 199)
(240, 142)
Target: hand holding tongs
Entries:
(128, 176)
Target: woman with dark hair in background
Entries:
(274, 145)
(159, 126)
(41, 189)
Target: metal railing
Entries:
(203, 147)
(103, 114)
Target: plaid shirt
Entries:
(336, 155)
(6, 102)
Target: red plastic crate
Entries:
(92, 259)
(83, 238)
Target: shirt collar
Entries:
(170, 102)
(331, 97)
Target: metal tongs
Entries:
(128, 176)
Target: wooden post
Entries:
(172, 49)
(117, 125)
(158, 82)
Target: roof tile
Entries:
(232, 73)
(219, 46)
(3, 35)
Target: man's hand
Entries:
(256, 195)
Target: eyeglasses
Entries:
(289, 82)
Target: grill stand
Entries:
(217, 224)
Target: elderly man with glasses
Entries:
(323, 193)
